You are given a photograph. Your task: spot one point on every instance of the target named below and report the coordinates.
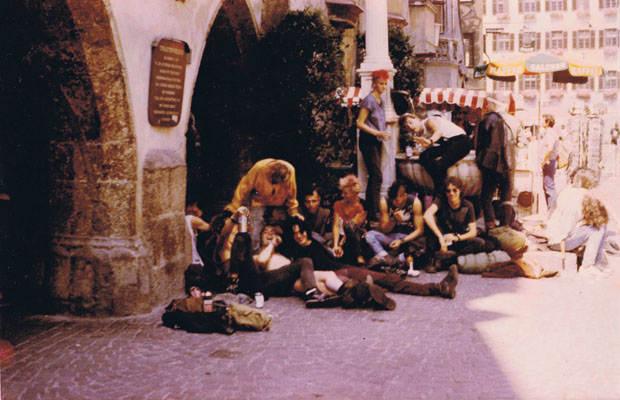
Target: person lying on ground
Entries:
(322, 259)
(452, 221)
(349, 219)
(271, 273)
(401, 225)
(448, 143)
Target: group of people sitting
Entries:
(321, 254)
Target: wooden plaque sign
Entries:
(166, 83)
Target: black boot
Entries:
(447, 287)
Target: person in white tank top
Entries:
(447, 144)
(194, 223)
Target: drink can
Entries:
(207, 300)
(409, 151)
(259, 299)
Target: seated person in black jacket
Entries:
(316, 216)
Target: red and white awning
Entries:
(349, 96)
(459, 97)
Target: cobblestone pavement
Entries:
(553, 338)
(500, 338)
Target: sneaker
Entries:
(324, 301)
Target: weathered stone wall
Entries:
(165, 234)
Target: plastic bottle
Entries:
(411, 271)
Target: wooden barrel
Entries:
(466, 170)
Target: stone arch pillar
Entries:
(99, 261)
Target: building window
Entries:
(500, 7)
(583, 5)
(607, 3)
(529, 82)
(529, 41)
(584, 86)
(503, 42)
(529, 6)
(555, 5)
(609, 38)
(556, 40)
(608, 81)
(468, 49)
(501, 85)
(583, 39)
(550, 85)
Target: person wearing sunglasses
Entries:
(451, 219)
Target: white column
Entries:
(377, 57)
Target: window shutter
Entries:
(600, 82)
(521, 82)
(512, 42)
(546, 5)
(574, 4)
(520, 6)
(537, 82)
(564, 7)
(494, 7)
(547, 39)
(537, 40)
(592, 40)
(520, 41)
(574, 39)
(538, 6)
(565, 41)
(494, 42)
(617, 38)
(591, 82)
(601, 39)
(600, 4)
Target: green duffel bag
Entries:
(512, 241)
(248, 318)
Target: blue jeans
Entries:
(549, 184)
(593, 238)
(378, 241)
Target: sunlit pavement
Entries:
(554, 338)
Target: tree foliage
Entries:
(298, 69)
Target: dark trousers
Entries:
(391, 282)
(278, 282)
(492, 180)
(469, 246)
(371, 153)
(352, 246)
(436, 160)
(549, 184)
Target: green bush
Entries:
(298, 67)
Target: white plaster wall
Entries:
(136, 27)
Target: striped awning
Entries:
(459, 97)
(349, 96)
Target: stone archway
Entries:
(68, 75)
(219, 151)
